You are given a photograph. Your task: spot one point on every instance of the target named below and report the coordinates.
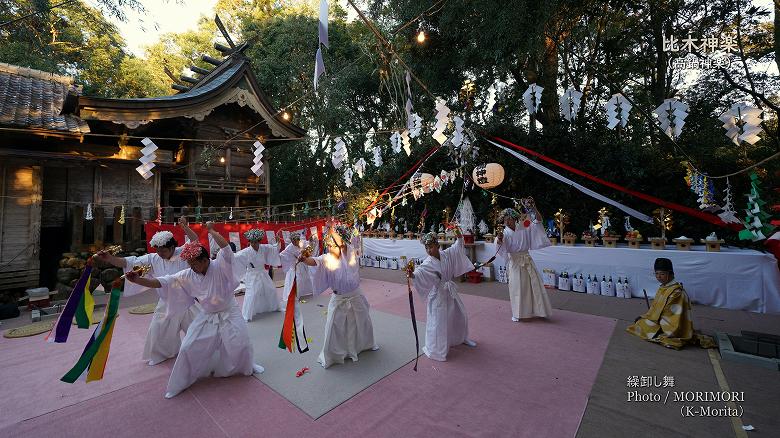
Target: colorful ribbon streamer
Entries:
(75, 303)
(290, 326)
(95, 355)
(85, 308)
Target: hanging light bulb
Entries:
(286, 115)
(222, 160)
(421, 36)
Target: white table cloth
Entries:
(732, 278)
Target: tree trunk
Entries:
(658, 79)
(549, 80)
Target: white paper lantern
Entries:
(488, 175)
(424, 182)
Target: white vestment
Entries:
(447, 324)
(289, 259)
(260, 294)
(526, 289)
(217, 340)
(348, 329)
(163, 339)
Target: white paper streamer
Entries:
(323, 23)
(339, 153)
(395, 142)
(442, 120)
(407, 143)
(415, 125)
(147, 158)
(377, 156)
(457, 135)
(319, 67)
(257, 168)
(618, 109)
(570, 104)
(748, 117)
(671, 115)
(533, 98)
(360, 167)
(348, 177)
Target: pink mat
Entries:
(32, 368)
(524, 379)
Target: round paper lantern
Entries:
(488, 175)
(425, 182)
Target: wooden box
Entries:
(488, 238)
(713, 245)
(683, 244)
(553, 241)
(657, 242)
(633, 242)
(590, 241)
(569, 241)
(610, 242)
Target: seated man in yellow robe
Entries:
(668, 321)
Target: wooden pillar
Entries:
(99, 224)
(136, 228)
(193, 151)
(168, 215)
(153, 214)
(36, 192)
(117, 229)
(77, 227)
(228, 160)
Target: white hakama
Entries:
(348, 329)
(217, 340)
(289, 260)
(163, 339)
(260, 296)
(447, 324)
(527, 294)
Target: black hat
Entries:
(663, 264)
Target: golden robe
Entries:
(668, 321)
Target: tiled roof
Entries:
(34, 99)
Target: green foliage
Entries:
(597, 47)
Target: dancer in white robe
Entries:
(218, 340)
(249, 263)
(526, 290)
(289, 258)
(446, 324)
(348, 329)
(163, 338)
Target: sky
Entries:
(166, 16)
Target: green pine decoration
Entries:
(757, 221)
